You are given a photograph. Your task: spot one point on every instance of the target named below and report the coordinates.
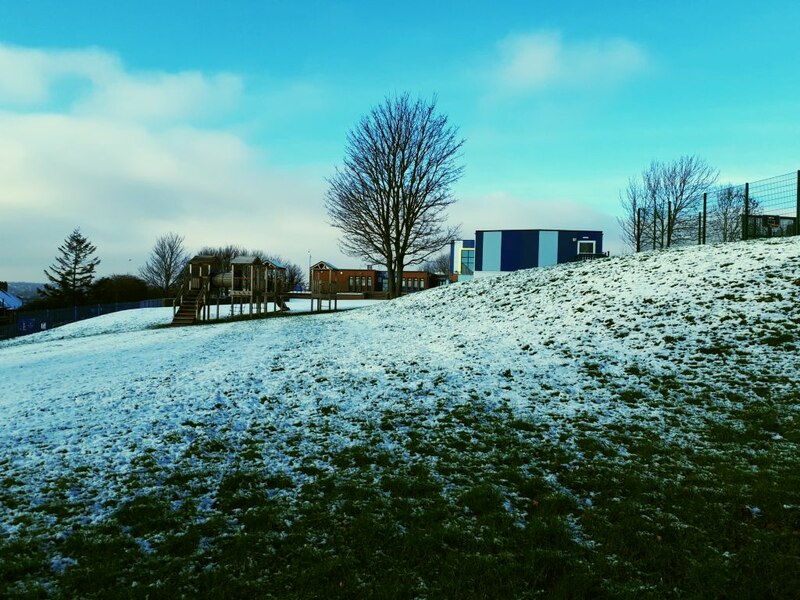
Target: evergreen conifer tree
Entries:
(72, 274)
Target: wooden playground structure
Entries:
(250, 282)
(323, 288)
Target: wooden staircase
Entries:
(188, 309)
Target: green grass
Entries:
(480, 503)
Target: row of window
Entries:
(359, 284)
(364, 284)
(413, 284)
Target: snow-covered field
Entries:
(669, 343)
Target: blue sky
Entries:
(222, 121)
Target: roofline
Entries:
(565, 230)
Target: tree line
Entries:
(72, 276)
(661, 207)
(389, 200)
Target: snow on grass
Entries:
(584, 388)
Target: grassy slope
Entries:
(627, 428)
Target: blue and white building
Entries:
(499, 251)
(462, 258)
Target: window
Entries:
(422, 284)
(350, 284)
(363, 282)
(467, 261)
(586, 247)
(369, 283)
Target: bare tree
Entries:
(294, 275)
(660, 206)
(636, 214)
(684, 181)
(727, 210)
(225, 254)
(166, 263)
(390, 197)
(438, 264)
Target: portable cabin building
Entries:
(505, 250)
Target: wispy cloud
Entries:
(32, 78)
(543, 60)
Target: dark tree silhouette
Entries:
(390, 197)
(120, 288)
(166, 263)
(72, 274)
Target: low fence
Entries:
(766, 208)
(25, 322)
(728, 213)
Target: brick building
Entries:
(324, 275)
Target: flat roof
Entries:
(565, 230)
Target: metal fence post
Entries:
(705, 216)
(655, 221)
(797, 214)
(746, 216)
(639, 231)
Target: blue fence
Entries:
(30, 321)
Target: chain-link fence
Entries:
(25, 322)
(766, 208)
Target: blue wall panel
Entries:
(548, 248)
(520, 250)
(492, 250)
(479, 251)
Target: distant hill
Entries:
(24, 290)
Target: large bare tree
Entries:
(389, 199)
(165, 264)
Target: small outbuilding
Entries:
(498, 251)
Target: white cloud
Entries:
(126, 162)
(542, 60)
(27, 76)
(161, 97)
(31, 78)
